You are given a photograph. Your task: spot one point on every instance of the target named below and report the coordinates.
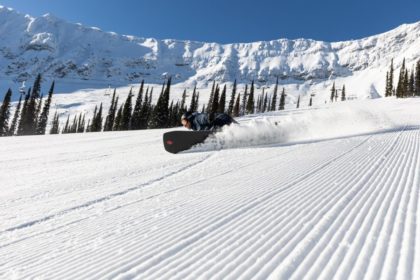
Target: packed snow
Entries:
(328, 192)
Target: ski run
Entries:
(330, 192)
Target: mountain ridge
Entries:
(73, 52)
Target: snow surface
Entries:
(330, 192)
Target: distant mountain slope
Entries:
(89, 57)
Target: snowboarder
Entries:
(202, 121)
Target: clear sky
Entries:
(228, 21)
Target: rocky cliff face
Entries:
(75, 53)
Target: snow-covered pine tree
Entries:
(332, 93)
(117, 121)
(387, 92)
(211, 98)
(55, 124)
(417, 79)
(222, 101)
(43, 118)
(236, 107)
(242, 110)
(126, 113)
(282, 99)
(135, 117)
(250, 102)
(160, 116)
(215, 104)
(109, 120)
(12, 129)
(274, 99)
(192, 103)
(343, 93)
(66, 126)
(400, 93)
(411, 86)
(5, 113)
(22, 119)
(265, 102)
(232, 99)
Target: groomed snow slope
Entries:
(335, 196)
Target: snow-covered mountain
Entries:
(85, 57)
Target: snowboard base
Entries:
(178, 141)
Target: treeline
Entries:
(408, 84)
(31, 114)
(138, 112)
(334, 96)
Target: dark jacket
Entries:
(202, 121)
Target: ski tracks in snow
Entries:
(345, 208)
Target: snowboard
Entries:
(177, 141)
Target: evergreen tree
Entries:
(259, 104)
(343, 93)
(236, 107)
(265, 102)
(244, 101)
(417, 79)
(160, 116)
(387, 90)
(282, 99)
(117, 121)
(391, 78)
(135, 118)
(222, 101)
(43, 119)
(197, 98)
(298, 103)
(400, 87)
(405, 84)
(193, 102)
(29, 116)
(32, 108)
(38, 113)
(232, 99)
(211, 98)
(23, 113)
(147, 110)
(333, 92)
(81, 127)
(5, 114)
(55, 125)
(126, 113)
(182, 106)
(274, 99)
(12, 128)
(250, 103)
(66, 126)
(389, 87)
(215, 105)
(73, 127)
(411, 86)
(97, 121)
(109, 120)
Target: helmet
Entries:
(186, 115)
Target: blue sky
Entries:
(228, 21)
